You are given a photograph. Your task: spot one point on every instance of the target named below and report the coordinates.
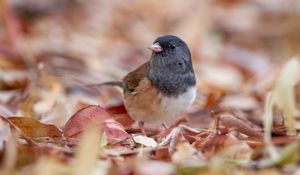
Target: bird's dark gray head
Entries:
(170, 68)
(170, 52)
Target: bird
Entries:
(162, 89)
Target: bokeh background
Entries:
(51, 49)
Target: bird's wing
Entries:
(132, 79)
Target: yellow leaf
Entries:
(282, 97)
(88, 152)
(283, 92)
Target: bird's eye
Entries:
(172, 46)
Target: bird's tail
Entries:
(108, 83)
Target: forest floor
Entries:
(245, 118)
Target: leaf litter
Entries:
(244, 120)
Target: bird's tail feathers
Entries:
(108, 83)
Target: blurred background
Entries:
(51, 49)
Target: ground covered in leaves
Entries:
(245, 118)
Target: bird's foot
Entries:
(142, 128)
(175, 134)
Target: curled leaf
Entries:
(83, 118)
(283, 96)
(94, 116)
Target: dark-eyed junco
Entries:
(160, 90)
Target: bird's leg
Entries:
(142, 128)
(173, 137)
(165, 126)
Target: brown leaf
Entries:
(9, 60)
(31, 153)
(162, 154)
(241, 126)
(21, 83)
(214, 144)
(33, 128)
(94, 116)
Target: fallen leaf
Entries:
(94, 116)
(31, 127)
(87, 152)
(118, 109)
(224, 78)
(50, 98)
(214, 144)
(289, 154)
(241, 126)
(283, 98)
(124, 119)
(237, 149)
(10, 158)
(114, 130)
(154, 168)
(185, 153)
(162, 154)
(241, 102)
(146, 141)
(120, 114)
(28, 154)
(83, 118)
(21, 83)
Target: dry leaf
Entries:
(49, 99)
(185, 153)
(241, 102)
(154, 168)
(283, 95)
(97, 117)
(87, 152)
(84, 118)
(241, 126)
(146, 141)
(31, 127)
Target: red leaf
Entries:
(114, 130)
(32, 127)
(94, 116)
(84, 118)
(124, 119)
(120, 114)
(118, 109)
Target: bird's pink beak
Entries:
(155, 47)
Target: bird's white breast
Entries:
(172, 108)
